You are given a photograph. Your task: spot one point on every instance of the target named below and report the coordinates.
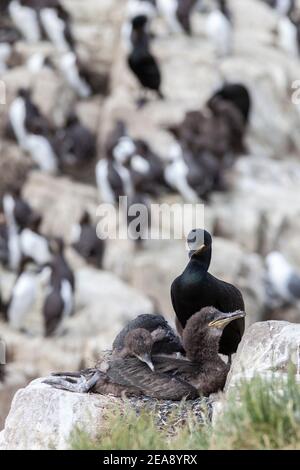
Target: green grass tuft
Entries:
(261, 414)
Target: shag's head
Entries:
(199, 243)
(139, 343)
(85, 218)
(203, 331)
(235, 93)
(24, 93)
(139, 22)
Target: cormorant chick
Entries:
(195, 289)
(166, 341)
(173, 379)
(138, 343)
(205, 369)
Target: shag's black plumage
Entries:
(195, 289)
(238, 95)
(150, 322)
(89, 246)
(140, 59)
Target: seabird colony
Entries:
(148, 357)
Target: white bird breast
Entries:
(41, 152)
(140, 164)
(288, 37)
(124, 148)
(168, 9)
(5, 51)
(105, 190)
(71, 74)
(17, 116)
(68, 298)
(55, 28)
(26, 21)
(35, 246)
(23, 298)
(279, 273)
(219, 30)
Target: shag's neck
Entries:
(203, 347)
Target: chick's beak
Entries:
(147, 360)
(225, 318)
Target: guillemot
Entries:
(87, 243)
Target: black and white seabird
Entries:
(2, 366)
(282, 282)
(25, 18)
(36, 19)
(3, 308)
(195, 289)
(86, 241)
(283, 7)
(13, 232)
(61, 269)
(288, 32)
(147, 169)
(4, 252)
(191, 179)
(220, 30)
(8, 37)
(140, 59)
(32, 131)
(57, 24)
(113, 180)
(24, 293)
(177, 14)
(70, 69)
(202, 373)
(58, 305)
(59, 302)
(17, 208)
(33, 244)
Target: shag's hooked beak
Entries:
(225, 318)
(147, 360)
(197, 252)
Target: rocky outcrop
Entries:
(42, 417)
(267, 348)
